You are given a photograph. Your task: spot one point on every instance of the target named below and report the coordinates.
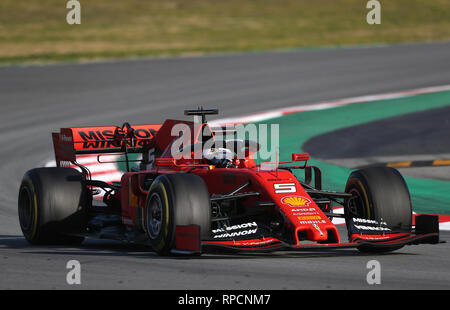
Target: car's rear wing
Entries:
(70, 142)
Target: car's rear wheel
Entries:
(52, 206)
(176, 199)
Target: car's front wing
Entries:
(188, 242)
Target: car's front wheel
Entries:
(380, 194)
(176, 199)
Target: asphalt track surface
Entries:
(38, 99)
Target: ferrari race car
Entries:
(215, 196)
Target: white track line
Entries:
(270, 114)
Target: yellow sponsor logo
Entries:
(309, 217)
(296, 201)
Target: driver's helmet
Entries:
(219, 157)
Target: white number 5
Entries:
(285, 188)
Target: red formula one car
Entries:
(206, 203)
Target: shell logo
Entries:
(296, 201)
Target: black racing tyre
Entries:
(52, 204)
(176, 199)
(379, 193)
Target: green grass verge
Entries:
(36, 30)
(428, 196)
